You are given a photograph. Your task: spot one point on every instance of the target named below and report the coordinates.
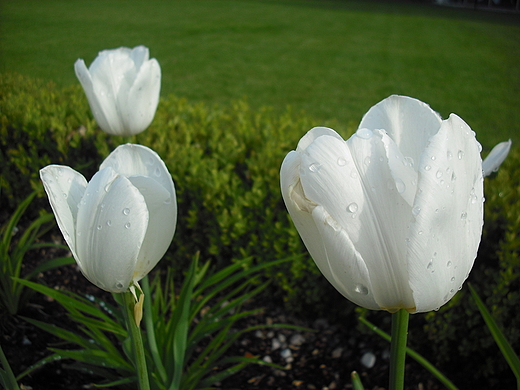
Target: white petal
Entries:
(161, 226)
(339, 263)
(408, 121)
(142, 98)
(139, 55)
(353, 183)
(112, 222)
(448, 211)
(65, 188)
(496, 157)
(133, 159)
(94, 93)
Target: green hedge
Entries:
(225, 162)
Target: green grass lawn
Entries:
(333, 59)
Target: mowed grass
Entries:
(332, 59)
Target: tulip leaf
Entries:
(356, 381)
(505, 347)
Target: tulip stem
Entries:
(398, 349)
(137, 342)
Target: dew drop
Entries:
(448, 264)
(464, 215)
(314, 167)
(352, 208)
(438, 175)
(408, 161)
(354, 174)
(126, 211)
(452, 279)
(107, 187)
(65, 195)
(416, 210)
(119, 285)
(401, 187)
(109, 223)
(433, 158)
(341, 161)
(127, 225)
(99, 227)
(367, 160)
(361, 289)
(157, 172)
(429, 267)
(460, 154)
(427, 168)
(449, 155)
(364, 133)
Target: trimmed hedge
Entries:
(225, 162)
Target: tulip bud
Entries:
(122, 87)
(119, 225)
(393, 216)
(496, 157)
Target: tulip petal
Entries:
(112, 222)
(102, 110)
(133, 159)
(329, 246)
(408, 121)
(143, 97)
(448, 210)
(353, 183)
(496, 157)
(65, 188)
(161, 228)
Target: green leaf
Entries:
(506, 349)
(356, 381)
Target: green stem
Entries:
(10, 380)
(398, 349)
(137, 341)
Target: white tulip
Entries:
(120, 224)
(496, 157)
(393, 216)
(122, 87)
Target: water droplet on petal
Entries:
(99, 227)
(429, 267)
(449, 155)
(433, 158)
(438, 174)
(107, 187)
(314, 167)
(354, 174)
(448, 264)
(427, 168)
(341, 161)
(399, 184)
(119, 285)
(464, 215)
(452, 279)
(460, 155)
(367, 160)
(157, 172)
(65, 195)
(416, 210)
(361, 289)
(127, 225)
(109, 223)
(364, 133)
(352, 208)
(126, 211)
